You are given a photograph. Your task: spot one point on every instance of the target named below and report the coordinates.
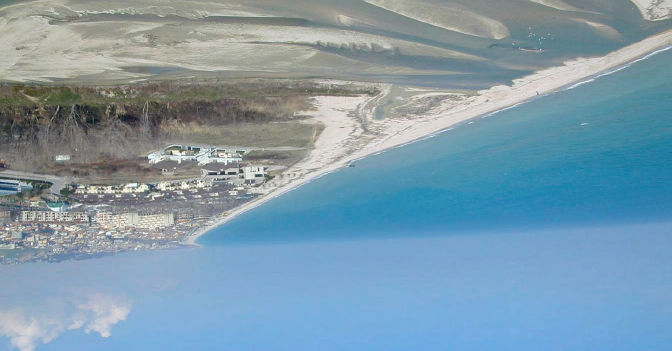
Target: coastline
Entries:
(354, 144)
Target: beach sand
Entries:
(351, 132)
(654, 10)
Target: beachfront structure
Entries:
(246, 175)
(254, 174)
(134, 188)
(184, 185)
(134, 220)
(222, 175)
(11, 187)
(130, 188)
(204, 156)
(53, 217)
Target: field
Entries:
(281, 134)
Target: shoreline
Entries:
(393, 133)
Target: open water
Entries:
(598, 154)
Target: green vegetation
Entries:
(170, 91)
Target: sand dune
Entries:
(126, 41)
(36, 48)
(446, 17)
(654, 10)
(326, 36)
(605, 30)
(601, 28)
(558, 5)
(186, 9)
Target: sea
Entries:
(547, 226)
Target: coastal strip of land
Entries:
(351, 131)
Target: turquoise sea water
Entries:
(527, 230)
(599, 154)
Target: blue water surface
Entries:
(597, 154)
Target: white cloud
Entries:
(27, 331)
(106, 313)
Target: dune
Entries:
(327, 37)
(558, 5)
(605, 30)
(36, 48)
(351, 21)
(162, 8)
(601, 28)
(446, 17)
(654, 10)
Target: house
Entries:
(134, 220)
(254, 174)
(204, 156)
(135, 188)
(54, 217)
(63, 158)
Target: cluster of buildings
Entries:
(35, 231)
(249, 175)
(126, 217)
(103, 219)
(130, 188)
(201, 155)
(44, 235)
(38, 242)
(237, 176)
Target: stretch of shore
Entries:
(344, 141)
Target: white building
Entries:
(53, 217)
(130, 188)
(135, 188)
(135, 220)
(204, 156)
(183, 185)
(254, 174)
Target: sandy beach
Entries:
(351, 132)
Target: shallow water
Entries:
(560, 35)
